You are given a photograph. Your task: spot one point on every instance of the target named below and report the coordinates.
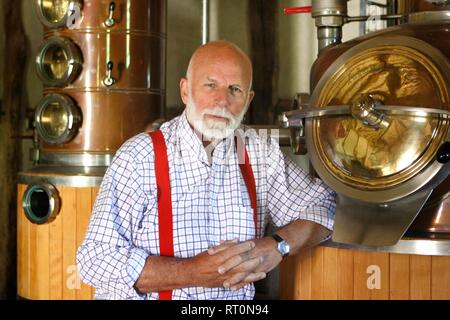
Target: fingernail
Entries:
(261, 259)
(221, 270)
(211, 251)
(226, 284)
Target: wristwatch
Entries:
(282, 246)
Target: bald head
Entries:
(220, 52)
(217, 89)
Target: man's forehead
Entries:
(217, 69)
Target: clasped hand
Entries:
(233, 264)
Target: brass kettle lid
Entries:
(370, 150)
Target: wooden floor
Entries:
(331, 273)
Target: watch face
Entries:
(283, 247)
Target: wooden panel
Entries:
(420, 277)
(285, 282)
(317, 285)
(84, 208)
(352, 274)
(68, 213)
(345, 273)
(361, 262)
(32, 270)
(330, 275)
(22, 247)
(47, 253)
(399, 277)
(42, 262)
(304, 289)
(440, 278)
(55, 258)
(382, 261)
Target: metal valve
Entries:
(109, 22)
(109, 80)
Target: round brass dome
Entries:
(363, 156)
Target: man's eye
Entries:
(235, 90)
(210, 85)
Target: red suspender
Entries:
(164, 201)
(165, 222)
(249, 178)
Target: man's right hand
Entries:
(206, 270)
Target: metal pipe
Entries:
(205, 21)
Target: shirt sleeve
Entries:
(107, 256)
(293, 194)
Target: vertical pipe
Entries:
(205, 21)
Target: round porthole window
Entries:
(55, 13)
(41, 203)
(57, 119)
(58, 62)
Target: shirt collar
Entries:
(191, 145)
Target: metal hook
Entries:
(109, 22)
(109, 80)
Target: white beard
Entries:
(213, 129)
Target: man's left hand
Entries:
(265, 249)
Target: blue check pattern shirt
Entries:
(210, 203)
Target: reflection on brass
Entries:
(378, 158)
(55, 120)
(365, 109)
(55, 62)
(54, 10)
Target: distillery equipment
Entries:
(376, 125)
(102, 64)
(376, 129)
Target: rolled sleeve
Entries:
(134, 265)
(107, 258)
(294, 195)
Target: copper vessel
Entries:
(104, 129)
(103, 68)
(377, 122)
(434, 219)
(109, 57)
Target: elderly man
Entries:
(181, 212)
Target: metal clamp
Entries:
(110, 21)
(369, 112)
(109, 80)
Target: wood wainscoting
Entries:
(46, 265)
(325, 273)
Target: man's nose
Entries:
(221, 97)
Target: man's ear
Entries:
(184, 90)
(251, 95)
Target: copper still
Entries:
(377, 121)
(103, 68)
